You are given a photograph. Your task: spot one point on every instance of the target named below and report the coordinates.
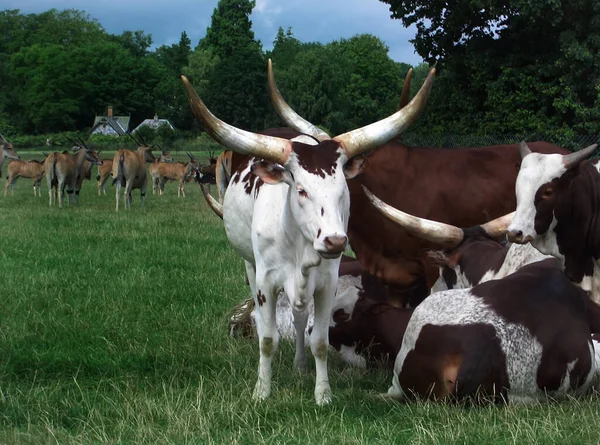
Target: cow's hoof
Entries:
(323, 396)
(301, 365)
(261, 391)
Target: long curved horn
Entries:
(289, 116)
(244, 142)
(445, 235)
(363, 139)
(575, 158)
(212, 202)
(134, 139)
(498, 227)
(405, 97)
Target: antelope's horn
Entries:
(244, 142)
(405, 97)
(363, 139)
(498, 227)
(212, 202)
(445, 235)
(289, 116)
(575, 158)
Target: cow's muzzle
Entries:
(517, 236)
(334, 246)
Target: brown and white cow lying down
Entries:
(521, 338)
(512, 339)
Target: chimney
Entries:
(109, 112)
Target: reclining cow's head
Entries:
(313, 165)
(541, 180)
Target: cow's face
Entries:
(318, 196)
(536, 188)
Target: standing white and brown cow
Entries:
(286, 213)
(558, 203)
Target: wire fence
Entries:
(449, 140)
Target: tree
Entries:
(234, 66)
(519, 66)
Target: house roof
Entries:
(154, 123)
(118, 123)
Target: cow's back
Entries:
(460, 186)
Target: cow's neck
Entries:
(577, 230)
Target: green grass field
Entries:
(113, 329)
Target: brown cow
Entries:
(460, 186)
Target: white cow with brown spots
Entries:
(291, 232)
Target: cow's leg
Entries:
(319, 340)
(300, 321)
(268, 336)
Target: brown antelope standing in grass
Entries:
(104, 171)
(85, 171)
(6, 150)
(153, 169)
(179, 172)
(63, 170)
(129, 171)
(25, 169)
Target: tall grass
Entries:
(113, 329)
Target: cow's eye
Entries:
(302, 192)
(548, 192)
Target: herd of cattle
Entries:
(465, 299)
(66, 170)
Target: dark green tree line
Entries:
(510, 66)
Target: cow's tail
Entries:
(120, 170)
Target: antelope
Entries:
(7, 151)
(153, 169)
(85, 172)
(25, 169)
(129, 171)
(176, 172)
(63, 170)
(104, 171)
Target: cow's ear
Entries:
(269, 173)
(354, 167)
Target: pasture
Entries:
(113, 329)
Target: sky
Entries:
(310, 20)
